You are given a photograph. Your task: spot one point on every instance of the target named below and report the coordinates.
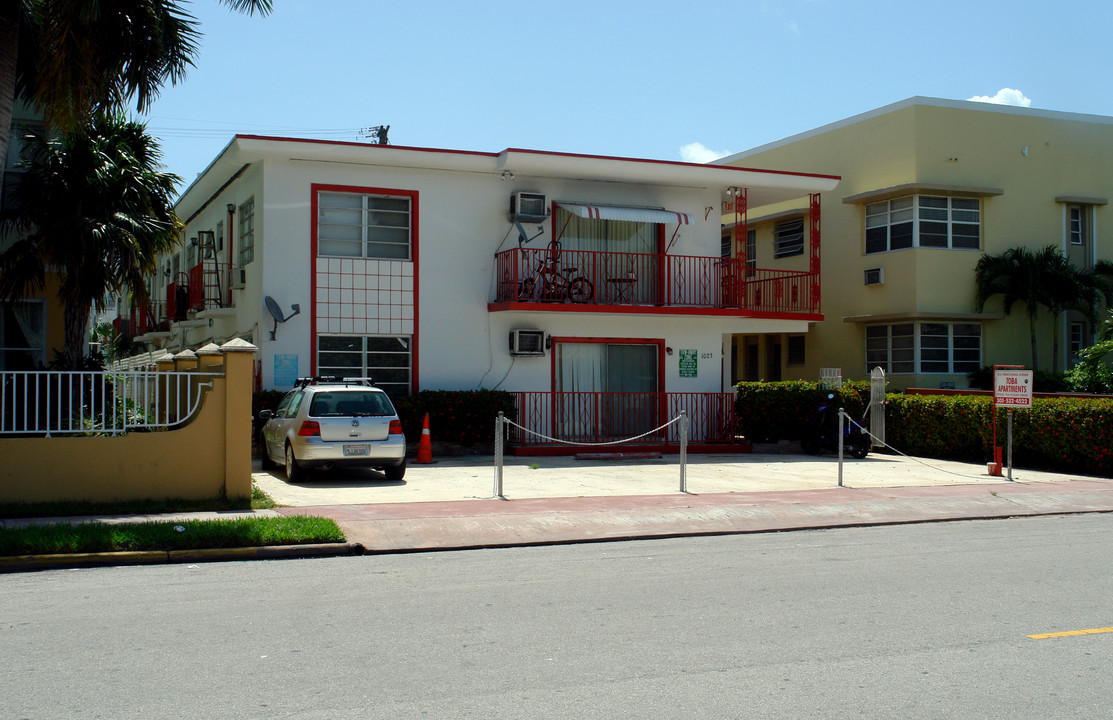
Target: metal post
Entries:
(683, 451)
(498, 454)
(842, 415)
(1009, 425)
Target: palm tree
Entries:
(73, 58)
(1016, 274)
(1070, 287)
(96, 208)
(1041, 277)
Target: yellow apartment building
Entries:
(928, 186)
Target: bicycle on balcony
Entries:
(550, 282)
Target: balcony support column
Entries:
(813, 248)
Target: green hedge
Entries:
(1058, 434)
(1072, 435)
(771, 411)
(460, 416)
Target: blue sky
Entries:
(663, 80)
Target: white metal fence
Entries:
(97, 403)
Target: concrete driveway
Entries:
(470, 478)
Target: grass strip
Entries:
(259, 501)
(60, 538)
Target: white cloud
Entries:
(700, 153)
(1005, 96)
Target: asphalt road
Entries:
(920, 621)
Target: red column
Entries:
(813, 244)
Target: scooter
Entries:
(822, 434)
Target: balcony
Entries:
(599, 417)
(594, 281)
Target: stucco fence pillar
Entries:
(208, 457)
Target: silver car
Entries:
(333, 422)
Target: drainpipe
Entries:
(231, 234)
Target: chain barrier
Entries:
(508, 421)
(501, 421)
(914, 459)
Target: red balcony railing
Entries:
(607, 278)
(602, 417)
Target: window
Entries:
(1078, 339)
(247, 232)
(386, 360)
(369, 226)
(788, 238)
(23, 134)
(22, 335)
(607, 389)
(923, 221)
(941, 348)
(220, 236)
(1078, 229)
(725, 242)
(795, 349)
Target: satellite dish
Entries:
(276, 312)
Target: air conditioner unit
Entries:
(527, 342)
(875, 276)
(528, 206)
(238, 280)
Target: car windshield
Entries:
(353, 403)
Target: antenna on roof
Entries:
(378, 133)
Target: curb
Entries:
(21, 563)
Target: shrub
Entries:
(771, 411)
(461, 416)
(1058, 434)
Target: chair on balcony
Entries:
(621, 283)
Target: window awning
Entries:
(628, 214)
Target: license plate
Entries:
(356, 450)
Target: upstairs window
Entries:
(247, 232)
(923, 221)
(363, 225)
(788, 238)
(1078, 226)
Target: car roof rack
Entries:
(334, 380)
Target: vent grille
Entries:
(527, 342)
(875, 276)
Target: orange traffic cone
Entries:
(425, 447)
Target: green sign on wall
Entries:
(688, 363)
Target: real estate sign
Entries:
(1012, 388)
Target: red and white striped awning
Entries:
(628, 214)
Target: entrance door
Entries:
(606, 390)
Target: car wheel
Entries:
(860, 449)
(294, 473)
(264, 456)
(395, 472)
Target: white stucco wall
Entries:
(461, 223)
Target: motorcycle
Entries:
(822, 433)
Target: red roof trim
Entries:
(676, 163)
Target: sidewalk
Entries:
(450, 504)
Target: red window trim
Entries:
(315, 189)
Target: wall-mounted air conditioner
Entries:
(528, 206)
(875, 276)
(527, 342)
(238, 279)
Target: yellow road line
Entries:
(1094, 631)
